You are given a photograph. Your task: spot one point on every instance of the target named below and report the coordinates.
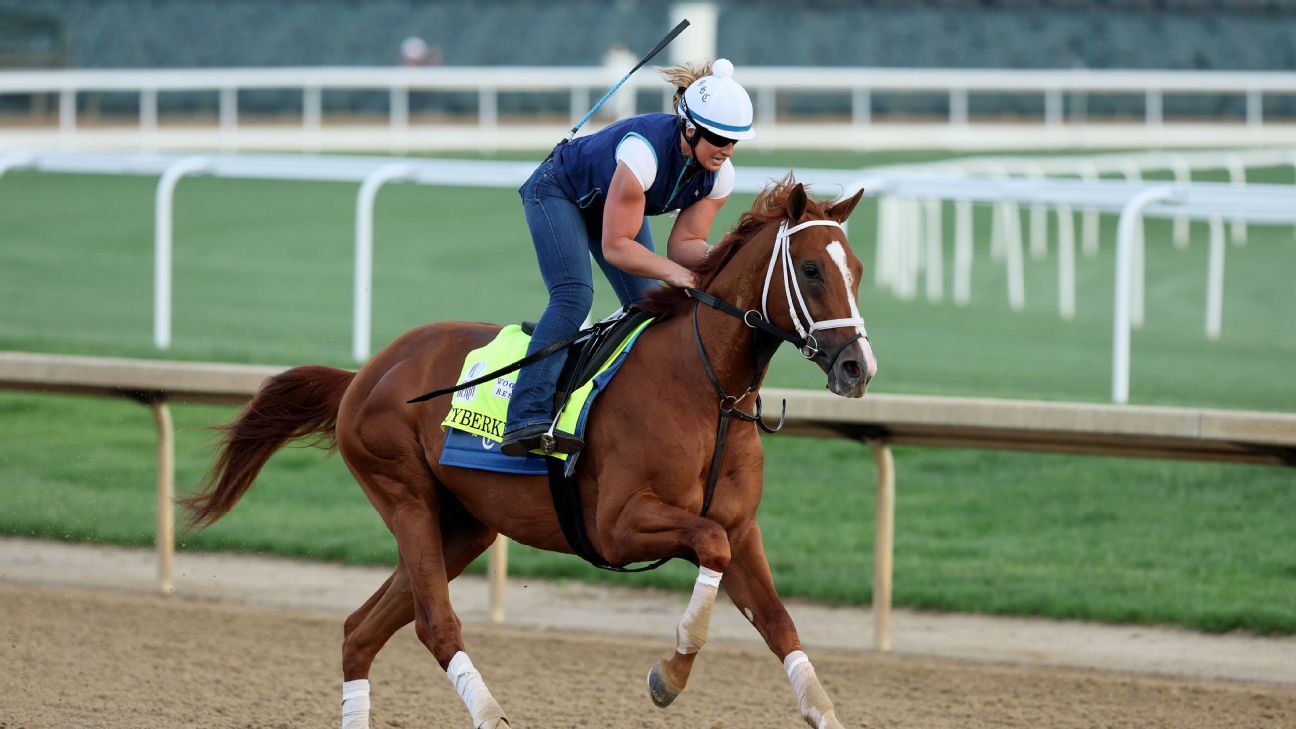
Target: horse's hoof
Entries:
(659, 688)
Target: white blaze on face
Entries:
(838, 255)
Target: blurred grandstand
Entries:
(866, 37)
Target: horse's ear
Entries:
(796, 203)
(842, 209)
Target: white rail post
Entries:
(162, 235)
(962, 252)
(1066, 262)
(1053, 114)
(228, 118)
(488, 116)
(958, 102)
(399, 119)
(912, 242)
(1254, 109)
(312, 117)
(1013, 256)
(884, 255)
(1215, 281)
(1038, 217)
(498, 568)
(1126, 230)
(148, 119)
(1134, 173)
(862, 107)
(883, 544)
(67, 115)
(363, 296)
(1153, 115)
(934, 232)
(579, 102)
(900, 247)
(1089, 224)
(1183, 176)
(766, 107)
(1237, 176)
(165, 492)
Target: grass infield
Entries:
(263, 274)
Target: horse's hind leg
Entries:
(391, 608)
(365, 632)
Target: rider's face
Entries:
(711, 155)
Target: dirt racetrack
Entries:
(103, 658)
(255, 642)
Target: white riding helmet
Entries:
(718, 103)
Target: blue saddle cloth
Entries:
(468, 450)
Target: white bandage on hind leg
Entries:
(815, 706)
(355, 704)
(485, 710)
(692, 632)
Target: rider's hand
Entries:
(682, 278)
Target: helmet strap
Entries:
(691, 141)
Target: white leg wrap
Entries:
(485, 710)
(355, 704)
(692, 632)
(815, 706)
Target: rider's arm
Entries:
(623, 216)
(688, 239)
(687, 244)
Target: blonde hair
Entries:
(683, 75)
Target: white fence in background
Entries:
(902, 217)
(856, 86)
(909, 232)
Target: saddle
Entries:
(586, 356)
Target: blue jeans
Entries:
(564, 240)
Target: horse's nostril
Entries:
(852, 368)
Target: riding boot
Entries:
(536, 438)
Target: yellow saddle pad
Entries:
(481, 410)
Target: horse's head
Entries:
(811, 285)
(788, 261)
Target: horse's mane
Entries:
(770, 206)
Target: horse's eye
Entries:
(810, 269)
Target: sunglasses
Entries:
(715, 139)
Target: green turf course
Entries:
(263, 274)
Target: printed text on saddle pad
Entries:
(481, 410)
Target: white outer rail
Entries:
(1272, 204)
(858, 84)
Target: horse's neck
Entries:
(728, 345)
(727, 341)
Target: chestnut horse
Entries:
(643, 472)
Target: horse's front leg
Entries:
(648, 528)
(751, 587)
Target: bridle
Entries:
(783, 253)
(766, 339)
(804, 337)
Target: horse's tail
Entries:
(299, 402)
